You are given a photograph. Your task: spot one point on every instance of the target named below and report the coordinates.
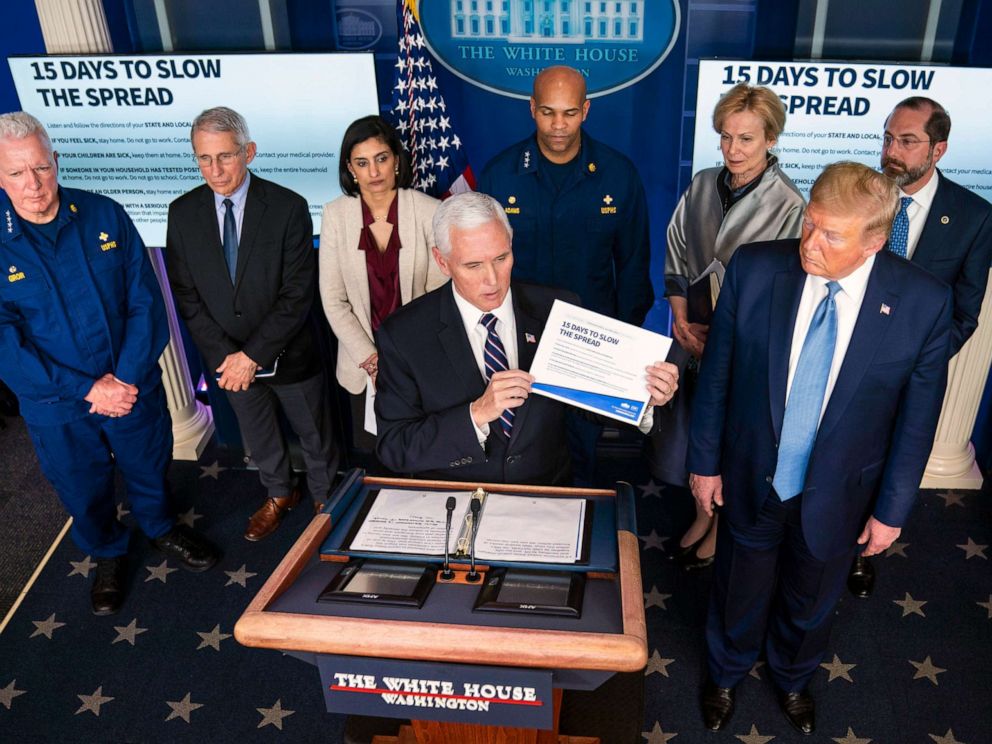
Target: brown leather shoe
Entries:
(264, 522)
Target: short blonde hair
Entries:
(852, 188)
(760, 101)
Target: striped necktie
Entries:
(802, 410)
(495, 359)
(899, 237)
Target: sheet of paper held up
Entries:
(410, 522)
(511, 528)
(531, 528)
(596, 362)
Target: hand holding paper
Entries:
(663, 381)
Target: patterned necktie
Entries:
(802, 411)
(899, 239)
(230, 239)
(494, 356)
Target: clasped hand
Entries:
(237, 372)
(111, 397)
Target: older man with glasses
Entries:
(940, 226)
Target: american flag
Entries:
(440, 163)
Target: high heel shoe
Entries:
(694, 561)
(680, 553)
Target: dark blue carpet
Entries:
(913, 663)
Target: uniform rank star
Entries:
(8, 693)
(656, 735)
(910, 606)
(240, 576)
(182, 708)
(82, 567)
(128, 632)
(838, 669)
(212, 639)
(93, 702)
(926, 669)
(274, 715)
(160, 572)
(45, 627)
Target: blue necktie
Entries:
(230, 239)
(899, 239)
(494, 356)
(802, 411)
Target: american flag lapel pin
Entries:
(529, 337)
(885, 309)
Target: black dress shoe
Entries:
(680, 552)
(861, 580)
(107, 592)
(799, 709)
(193, 551)
(718, 705)
(693, 561)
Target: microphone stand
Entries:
(476, 507)
(447, 574)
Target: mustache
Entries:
(886, 162)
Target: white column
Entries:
(952, 460)
(80, 26)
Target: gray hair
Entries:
(20, 124)
(222, 119)
(465, 211)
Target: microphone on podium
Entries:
(475, 507)
(447, 574)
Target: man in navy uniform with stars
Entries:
(82, 325)
(579, 217)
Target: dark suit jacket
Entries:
(877, 430)
(265, 312)
(428, 376)
(956, 246)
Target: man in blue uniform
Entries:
(82, 325)
(579, 218)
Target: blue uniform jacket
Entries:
(70, 315)
(591, 237)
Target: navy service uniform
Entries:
(79, 299)
(590, 235)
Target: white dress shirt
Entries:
(238, 198)
(848, 301)
(917, 212)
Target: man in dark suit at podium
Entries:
(453, 398)
(241, 264)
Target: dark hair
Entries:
(938, 126)
(372, 127)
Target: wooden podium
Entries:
(323, 630)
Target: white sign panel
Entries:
(121, 124)
(837, 111)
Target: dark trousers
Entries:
(79, 459)
(305, 406)
(582, 435)
(768, 588)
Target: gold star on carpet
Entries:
(93, 702)
(651, 489)
(838, 669)
(756, 669)
(952, 498)
(926, 669)
(754, 737)
(657, 664)
(182, 708)
(971, 549)
(122, 512)
(211, 471)
(212, 639)
(653, 540)
(654, 598)
(947, 738)
(8, 693)
(240, 576)
(274, 715)
(45, 627)
(160, 572)
(851, 738)
(128, 632)
(656, 735)
(987, 606)
(910, 606)
(82, 567)
(188, 517)
(896, 548)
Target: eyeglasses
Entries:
(223, 159)
(905, 143)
